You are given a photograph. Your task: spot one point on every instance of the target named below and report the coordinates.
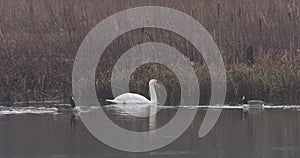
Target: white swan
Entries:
(132, 98)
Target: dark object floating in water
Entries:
(67, 107)
(252, 103)
(72, 102)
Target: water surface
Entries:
(46, 133)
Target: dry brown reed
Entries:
(39, 40)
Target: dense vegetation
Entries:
(39, 40)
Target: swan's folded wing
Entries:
(129, 98)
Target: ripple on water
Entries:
(26, 110)
(52, 110)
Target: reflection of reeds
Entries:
(38, 41)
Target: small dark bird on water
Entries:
(252, 103)
(68, 107)
(72, 101)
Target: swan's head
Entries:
(153, 82)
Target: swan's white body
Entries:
(129, 98)
(133, 98)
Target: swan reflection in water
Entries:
(137, 110)
(122, 112)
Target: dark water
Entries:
(272, 133)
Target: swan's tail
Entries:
(112, 101)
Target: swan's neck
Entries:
(153, 97)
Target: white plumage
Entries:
(133, 98)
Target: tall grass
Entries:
(39, 40)
(273, 80)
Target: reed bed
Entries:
(39, 40)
